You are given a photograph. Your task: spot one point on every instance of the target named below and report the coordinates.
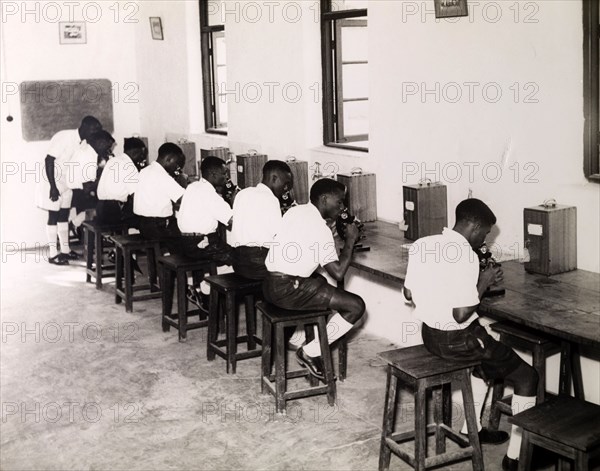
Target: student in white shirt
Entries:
(88, 164)
(444, 282)
(305, 242)
(53, 193)
(202, 210)
(155, 194)
(256, 219)
(117, 183)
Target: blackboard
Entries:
(53, 105)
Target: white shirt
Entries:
(256, 217)
(63, 146)
(119, 178)
(303, 242)
(442, 274)
(202, 208)
(155, 192)
(82, 167)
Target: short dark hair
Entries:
(132, 143)
(102, 137)
(275, 166)
(170, 149)
(210, 164)
(325, 186)
(88, 125)
(475, 210)
(90, 122)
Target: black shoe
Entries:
(60, 259)
(491, 437)
(313, 364)
(204, 301)
(136, 266)
(71, 255)
(112, 257)
(193, 295)
(508, 464)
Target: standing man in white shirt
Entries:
(444, 282)
(118, 182)
(257, 218)
(156, 193)
(303, 243)
(52, 192)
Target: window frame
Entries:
(591, 85)
(209, 88)
(332, 87)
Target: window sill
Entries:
(339, 151)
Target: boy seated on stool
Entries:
(257, 218)
(155, 194)
(303, 243)
(202, 209)
(445, 284)
(118, 182)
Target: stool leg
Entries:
(280, 376)
(232, 324)
(266, 352)
(128, 281)
(250, 321)
(539, 364)
(498, 392)
(420, 425)
(526, 452)
(342, 358)
(469, 406)
(89, 251)
(118, 274)
(327, 361)
(213, 327)
(581, 461)
(389, 415)
(182, 304)
(563, 464)
(447, 404)
(438, 418)
(166, 283)
(98, 255)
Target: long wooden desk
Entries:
(566, 305)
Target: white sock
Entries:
(299, 336)
(519, 404)
(479, 388)
(63, 236)
(204, 287)
(51, 234)
(336, 328)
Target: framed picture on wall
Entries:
(450, 8)
(72, 32)
(156, 28)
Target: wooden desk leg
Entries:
(576, 372)
(89, 259)
(565, 369)
(98, 254)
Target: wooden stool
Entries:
(522, 338)
(274, 318)
(564, 425)
(125, 289)
(176, 267)
(94, 236)
(224, 289)
(419, 369)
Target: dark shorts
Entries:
(217, 251)
(497, 359)
(297, 293)
(249, 262)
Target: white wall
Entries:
(33, 52)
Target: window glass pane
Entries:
(355, 43)
(355, 79)
(356, 118)
(337, 5)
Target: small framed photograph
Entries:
(450, 8)
(156, 28)
(72, 32)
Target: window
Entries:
(344, 48)
(591, 81)
(214, 66)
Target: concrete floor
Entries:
(85, 385)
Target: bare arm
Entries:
(487, 277)
(337, 270)
(49, 164)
